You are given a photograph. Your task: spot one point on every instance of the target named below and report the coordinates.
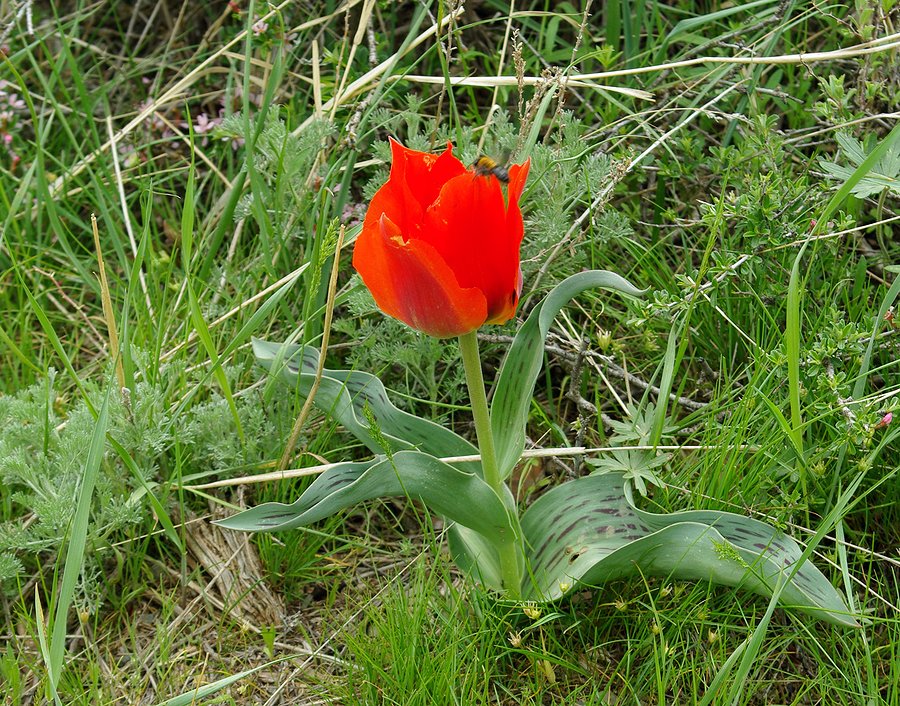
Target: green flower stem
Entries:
(509, 551)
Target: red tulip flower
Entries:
(439, 247)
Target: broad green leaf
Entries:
(345, 393)
(475, 556)
(515, 383)
(457, 495)
(588, 531)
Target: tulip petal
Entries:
(395, 198)
(518, 173)
(411, 282)
(423, 173)
(471, 229)
(415, 182)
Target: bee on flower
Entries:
(485, 166)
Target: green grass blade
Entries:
(205, 337)
(43, 644)
(158, 509)
(665, 385)
(199, 323)
(718, 681)
(77, 541)
(785, 425)
(691, 24)
(190, 698)
(263, 312)
(792, 348)
(50, 332)
(859, 387)
(134, 291)
(757, 639)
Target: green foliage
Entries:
(428, 366)
(637, 467)
(41, 466)
(885, 175)
(42, 463)
(637, 427)
(738, 163)
(285, 161)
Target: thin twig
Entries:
(614, 369)
(530, 453)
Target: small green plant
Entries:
(415, 253)
(42, 457)
(884, 176)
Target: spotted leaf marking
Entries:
(769, 554)
(587, 531)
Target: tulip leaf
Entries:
(515, 383)
(588, 531)
(457, 495)
(344, 394)
(475, 556)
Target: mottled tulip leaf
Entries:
(588, 532)
(344, 394)
(515, 383)
(457, 495)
